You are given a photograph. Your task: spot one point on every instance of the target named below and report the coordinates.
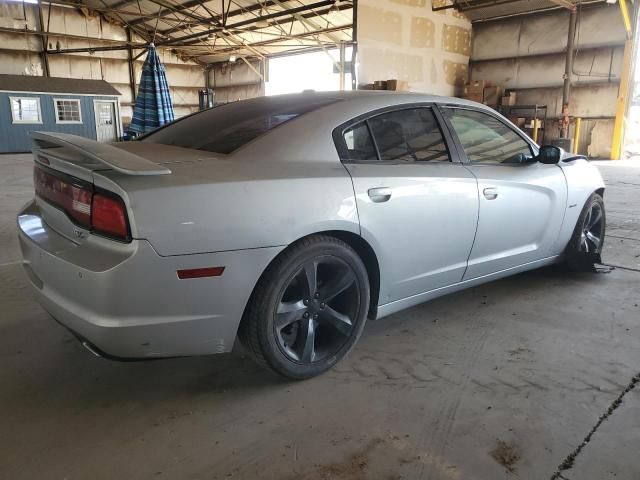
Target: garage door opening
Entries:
(632, 127)
(309, 71)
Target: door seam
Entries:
(475, 235)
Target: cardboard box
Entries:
(475, 97)
(474, 88)
(397, 85)
(492, 95)
(380, 85)
(509, 99)
(365, 86)
(519, 121)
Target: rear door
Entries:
(522, 201)
(417, 204)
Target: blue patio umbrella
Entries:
(153, 106)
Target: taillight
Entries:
(109, 217)
(71, 196)
(99, 212)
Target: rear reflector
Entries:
(200, 272)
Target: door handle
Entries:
(379, 195)
(490, 193)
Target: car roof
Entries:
(361, 96)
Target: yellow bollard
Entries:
(576, 135)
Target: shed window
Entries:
(25, 109)
(67, 110)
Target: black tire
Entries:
(330, 328)
(582, 253)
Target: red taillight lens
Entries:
(102, 213)
(108, 216)
(72, 197)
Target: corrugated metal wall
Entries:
(527, 54)
(236, 81)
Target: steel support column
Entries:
(342, 66)
(568, 70)
(625, 86)
(43, 42)
(132, 73)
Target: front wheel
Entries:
(585, 246)
(308, 309)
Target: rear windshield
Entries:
(226, 128)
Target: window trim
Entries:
(461, 152)
(341, 147)
(25, 122)
(67, 122)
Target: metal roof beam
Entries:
(272, 41)
(283, 13)
(201, 20)
(280, 37)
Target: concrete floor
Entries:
(501, 381)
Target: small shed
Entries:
(89, 108)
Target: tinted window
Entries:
(410, 135)
(228, 127)
(359, 143)
(486, 139)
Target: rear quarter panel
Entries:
(221, 205)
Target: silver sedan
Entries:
(289, 221)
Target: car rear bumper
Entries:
(125, 300)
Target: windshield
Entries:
(228, 127)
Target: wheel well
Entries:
(600, 192)
(364, 251)
(370, 260)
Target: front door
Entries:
(417, 207)
(522, 201)
(106, 125)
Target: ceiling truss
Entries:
(210, 31)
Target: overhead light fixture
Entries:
(612, 2)
(232, 58)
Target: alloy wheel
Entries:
(317, 311)
(591, 236)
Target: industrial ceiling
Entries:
(215, 30)
(483, 10)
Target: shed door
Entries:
(106, 127)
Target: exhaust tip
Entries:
(91, 348)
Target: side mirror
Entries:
(549, 154)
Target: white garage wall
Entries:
(405, 39)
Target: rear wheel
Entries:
(308, 309)
(585, 246)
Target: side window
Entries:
(359, 143)
(410, 135)
(486, 139)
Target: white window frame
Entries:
(67, 122)
(17, 120)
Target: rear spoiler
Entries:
(101, 153)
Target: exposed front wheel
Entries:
(585, 246)
(308, 309)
